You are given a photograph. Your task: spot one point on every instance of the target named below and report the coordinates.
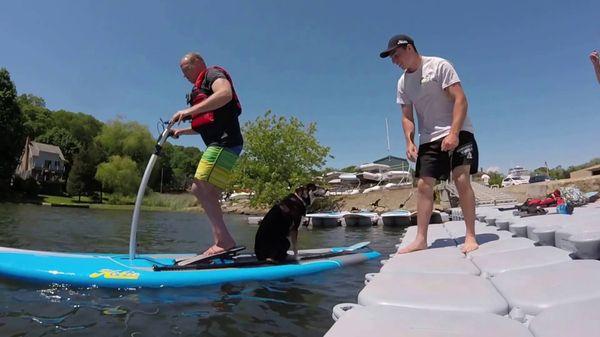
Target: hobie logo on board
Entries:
(116, 274)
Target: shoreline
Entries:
(377, 201)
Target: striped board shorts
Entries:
(216, 165)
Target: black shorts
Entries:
(435, 163)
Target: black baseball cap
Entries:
(395, 42)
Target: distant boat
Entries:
(326, 219)
(396, 218)
(436, 218)
(362, 218)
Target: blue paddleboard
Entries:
(119, 271)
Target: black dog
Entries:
(282, 221)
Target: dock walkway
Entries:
(535, 276)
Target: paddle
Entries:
(352, 248)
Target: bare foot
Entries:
(469, 245)
(214, 250)
(413, 247)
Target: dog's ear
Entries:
(301, 191)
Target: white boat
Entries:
(326, 219)
(371, 177)
(362, 218)
(397, 186)
(336, 181)
(516, 176)
(518, 171)
(397, 175)
(348, 178)
(396, 218)
(240, 196)
(437, 217)
(375, 168)
(372, 189)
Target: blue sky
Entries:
(524, 66)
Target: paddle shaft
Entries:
(140, 195)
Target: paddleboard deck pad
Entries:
(161, 270)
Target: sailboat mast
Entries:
(387, 135)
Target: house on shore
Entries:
(43, 162)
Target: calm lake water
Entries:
(289, 307)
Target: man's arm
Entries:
(222, 94)
(408, 125)
(459, 113)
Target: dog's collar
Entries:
(301, 200)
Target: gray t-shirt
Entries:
(424, 89)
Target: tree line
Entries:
(279, 153)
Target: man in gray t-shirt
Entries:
(431, 86)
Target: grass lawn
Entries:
(152, 202)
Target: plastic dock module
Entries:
(563, 234)
(454, 292)
(437, 237)
(503, 224)
(448, 260)
(537, 289)
(500, 246)
(587, 245)
(457, 228)
(578, 319)
(519, 229)
(386, 321)
(482, 237)
(543, 235)
(494, 264)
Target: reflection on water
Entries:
(289, 307)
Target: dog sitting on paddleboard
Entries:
(278, 230)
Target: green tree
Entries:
(12, 137)
(495, 178)
(127, 139)
(279, 154)
(119, 175)
(37, 119)
(81, 126)
(82, 174)
(31, 100)
(178, 165)
(63, 139)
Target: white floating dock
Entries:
(522, 281)
(388, 321)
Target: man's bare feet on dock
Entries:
(469, 245)
(413, 247)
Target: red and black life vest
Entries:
(199, 94)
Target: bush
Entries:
(120, 199)
(119, 175)
(171, 201)
(28, 187)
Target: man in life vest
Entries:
(213, 109)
